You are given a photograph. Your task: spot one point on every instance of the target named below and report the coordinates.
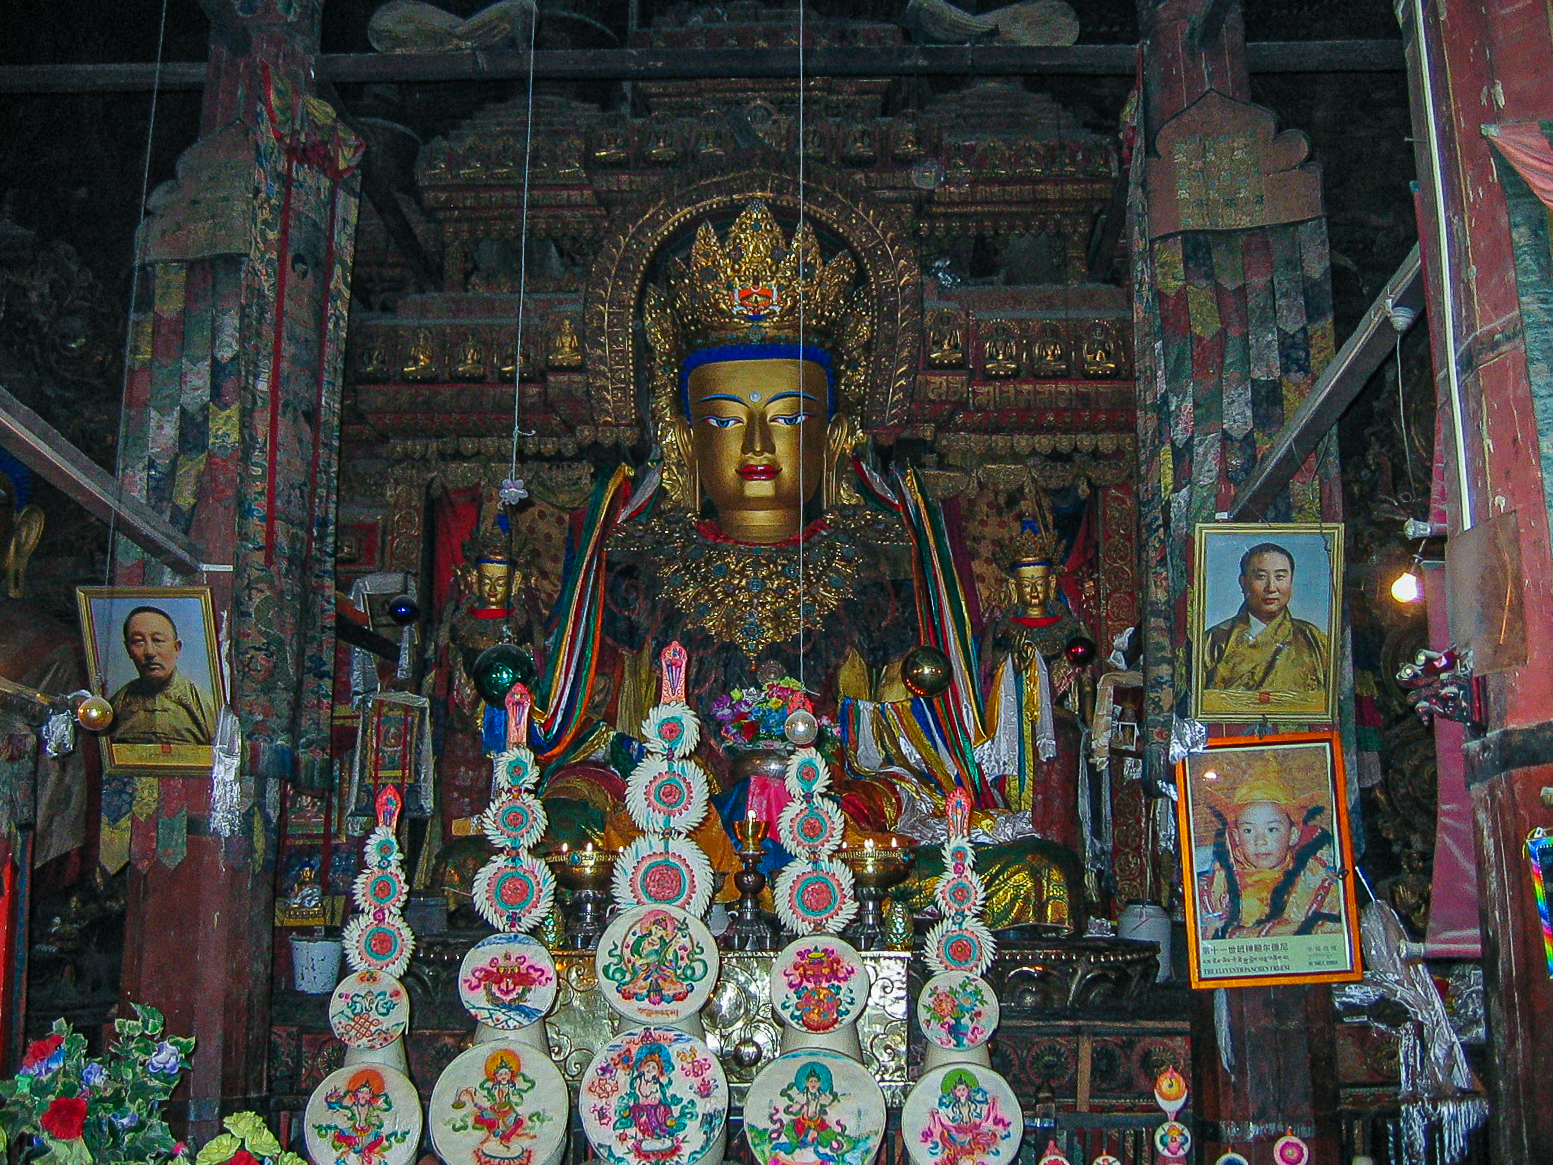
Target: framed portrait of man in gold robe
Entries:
(152, 652)
(1265, 623)
(1268, 862)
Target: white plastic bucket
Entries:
(1148, 921)
(315, 963)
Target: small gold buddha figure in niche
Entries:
(508, 367)
(611, 149)
(1100, 352)
(374, 359)
(1000, 351)
(908, 146)
(471, 359)
(421, 362)
(859, 146)
(491, 607)
(662, 150)
(946, 339)
(565, 348)
(1049, 352)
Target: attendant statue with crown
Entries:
(1037, 661)
(748, 540)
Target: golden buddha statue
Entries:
(421, 362)
(1049, 352)
(1099, 352)
(44, 655)
(1000, 351)
(945, 339)
(470, 365)
(1037, 698)
(565, 348)
(755, 438)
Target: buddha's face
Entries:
(1035, 585)
(757, 437)
(493, 583)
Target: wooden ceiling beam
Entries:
(1107, 60)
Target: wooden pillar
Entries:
(1469, 67)
(1232, 303)
(231, 431)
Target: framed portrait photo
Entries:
(1267, 862)
(1264, 621)
(153, 651)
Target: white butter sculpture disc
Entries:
(499, 1104)
(507, 981)
(369, 1010)
(657, 964)
(957, 1011)
(653, 1096)
(962, 1114)
(363, 1114)
(814, 1106)
(819, 983)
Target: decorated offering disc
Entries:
(657, 964)
(961, 893)
(671, 728)
(807, 773)
(656, 872)
(1290, 1150)
(655, 1095)
(965, 946)
(962, 1114)
(499, 1104)
(812, 826)
(514, 822)
(1230, 1158)
(957, 1010)
(513, 891)
(1170, 1091)
(1173, 1139)
(665, 794)
(815, 897)
(369, 1010)
(819, 984)
(363, 1114)
(379, 941)
(507, 981)
(380, 889)
(515, 770)
(814, 1106)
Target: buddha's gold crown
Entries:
(1036, 542)
(757, 287)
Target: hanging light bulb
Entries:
(1406, 589)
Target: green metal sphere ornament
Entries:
(925, 671)
(498, 668)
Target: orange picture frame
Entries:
(1267, 862)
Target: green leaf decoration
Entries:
(218, 1148)
(257, 1138)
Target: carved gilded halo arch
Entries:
(871, 231)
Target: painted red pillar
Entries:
(231, 430)
(1473, 66)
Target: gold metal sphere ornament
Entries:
(94, 714)
(801, 727)
(925, 671)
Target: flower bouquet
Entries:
(757, 717)
(246, 1141)
(80, 1110)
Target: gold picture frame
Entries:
(1265, 621)
(167, 690)
(1267, 862)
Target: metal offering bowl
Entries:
(879, 868)
(582, 869)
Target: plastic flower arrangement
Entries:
(757, 717)
(247, 1141)
(70, 1109)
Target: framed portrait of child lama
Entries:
(152, 652)
(1264, 621)
(1267, 862)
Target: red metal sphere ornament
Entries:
(1080, 651)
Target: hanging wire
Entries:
(518, 431)
(802, 297)
(1407, 444)
(134, 288)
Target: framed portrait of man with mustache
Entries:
(1265, 624)
(152, 652)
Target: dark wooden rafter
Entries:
(1356, 361)
(1206, 28)
(1108, 60)
(45, 451)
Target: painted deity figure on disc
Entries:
(359, 1133)
(965, 1126)
(657, 961)
(803, 1128)
(495, 1107)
